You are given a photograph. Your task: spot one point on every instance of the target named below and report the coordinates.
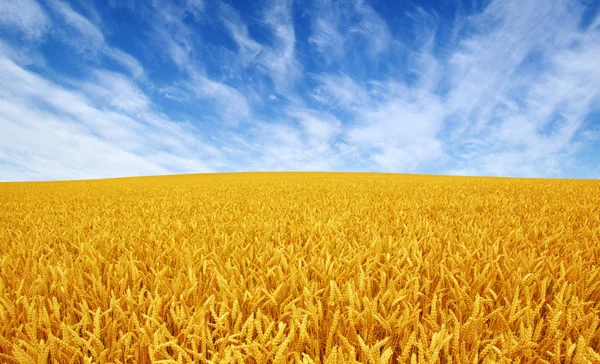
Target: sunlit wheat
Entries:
(302, 268)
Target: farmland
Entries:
(300, 267)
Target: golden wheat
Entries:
(300, 268)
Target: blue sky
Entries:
(124, 87)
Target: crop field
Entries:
(300, 268)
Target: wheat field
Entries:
(300, 268)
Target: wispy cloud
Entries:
(249, 49)
(224, 101)
(86, 38)
(107, 126)
(26, 17)
(117, 91)
(523, 106)
(279, 60)
(228, 104)
(170, 30)
(399, 131)
(372, 27)
(496, 115)
(125, 60)
(339, 91)
(195, 7)
(326, 35)
(343, 27)
(276, 56)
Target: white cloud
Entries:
(400, 131)
(527, 115)
(88, 39)
(327, 39)
(339, 28)
(300, 139)
(500, 115)
(326, 36)
(25, 16)
(117, 91)
(281, 146)
(339, 91)
(394, 126)
(230, 103)
(422, 62)
(373, 28)
(280, 60)
(195, 7)
(173, 34)
(249, 49)
(26, 56)
(482, 67)
(51, 132)
(320, 128)
(55, 147)
(130, 63)
(226, 103)
(275, 59)
(169, 26)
